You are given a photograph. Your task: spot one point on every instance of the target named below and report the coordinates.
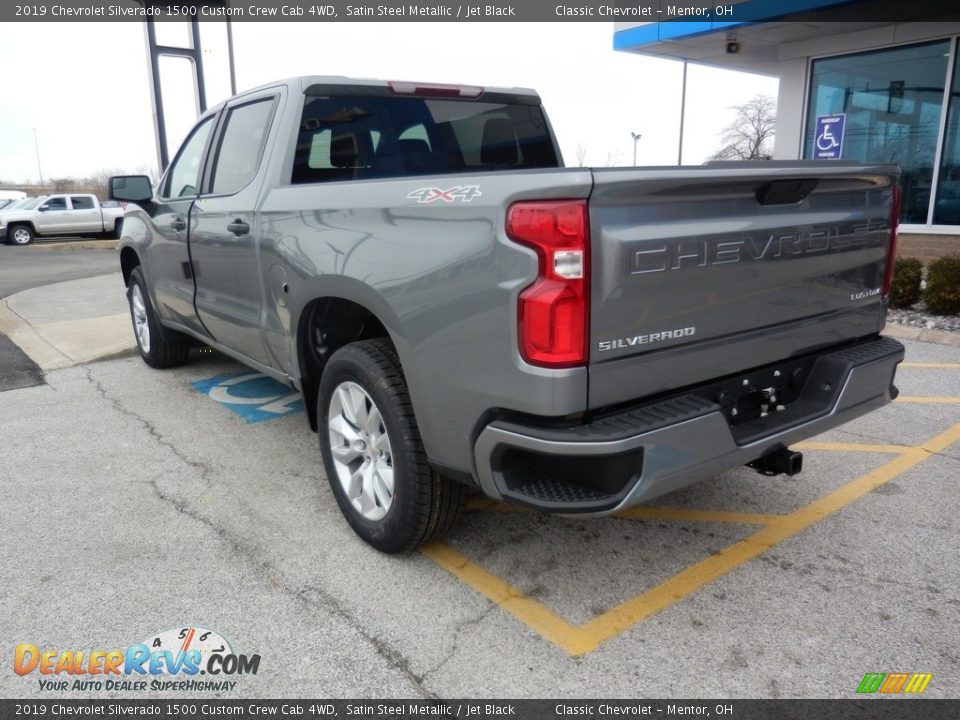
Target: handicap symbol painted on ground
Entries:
(251, 395)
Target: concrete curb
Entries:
(69, 323)
(54, 346)
(78, 245)
(908, 332)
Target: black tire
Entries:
(425, 505)
(166, 351)
(21, 235)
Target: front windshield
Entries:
(16, 204)
(31, 203)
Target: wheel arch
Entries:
(17, 223)
(129, 259)
(324, 325)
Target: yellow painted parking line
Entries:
(852, 447)
(947, 400)
(535, 615)
(944, 366)
(588, 637)
(645, 512)
(615, 621)
(941, 442)
(642, 512)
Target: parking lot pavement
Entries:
(19, 371)
(51, 261)
(140, 503)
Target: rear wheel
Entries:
(158, 351)
(20, 235)
(373, 454)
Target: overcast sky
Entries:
(84, 88)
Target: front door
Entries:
(52, 215)
(171, 277)
(223, 231)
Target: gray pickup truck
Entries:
(462, 312)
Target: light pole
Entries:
(636, 138)
(36, 147)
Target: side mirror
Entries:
(43, 208)
(131, 188)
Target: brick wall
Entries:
(927, 247)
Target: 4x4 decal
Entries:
(466, 193)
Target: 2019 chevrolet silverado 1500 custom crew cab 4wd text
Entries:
(458, 309)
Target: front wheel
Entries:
(20, 235)
(373, 454)
(158, 351)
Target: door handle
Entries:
(238, 227)
(178, 224)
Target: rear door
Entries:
(223, 241)
(84, 214)
(703, 272)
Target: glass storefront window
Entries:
(892, 100)
(946, 209)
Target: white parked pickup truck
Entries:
(67, 214)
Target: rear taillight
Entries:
(892, 250)
(554, 310)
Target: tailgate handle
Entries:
(784, 192)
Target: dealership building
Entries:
(851, 88)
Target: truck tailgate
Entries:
(703, 272)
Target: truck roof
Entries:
(302, 83)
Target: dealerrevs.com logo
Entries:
(167, 661)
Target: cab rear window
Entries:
(359, 137)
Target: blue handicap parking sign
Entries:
(828, 138)
(251, 395)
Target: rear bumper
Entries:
(634, 455)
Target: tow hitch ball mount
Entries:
(779, 462)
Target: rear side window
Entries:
(243, 139)
(81, 203)
(354, 138)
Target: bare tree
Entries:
(150, 171)
(612, 159)
(750, 135)
(97, 182)
(581, 155)
(64, 184)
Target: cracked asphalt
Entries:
(133, 503)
